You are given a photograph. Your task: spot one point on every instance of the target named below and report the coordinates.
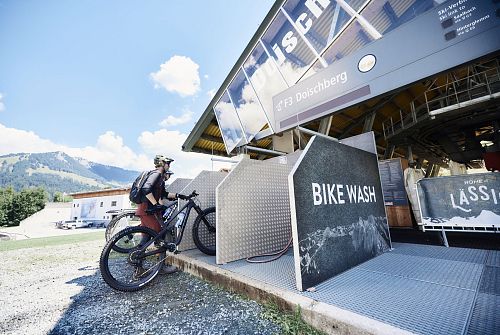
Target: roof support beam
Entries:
(361, 118)
(325, 125)
(300, 139)
(211, 138)
(209, 152)
(369, 122)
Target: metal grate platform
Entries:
(419, 288)
(432, 270)
(493, 258)
(438, 252)
(485, 318)
(490, 282)
(416, 306)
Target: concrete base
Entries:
(328, 318)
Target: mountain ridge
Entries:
(59, 172)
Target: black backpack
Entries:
(135, 192)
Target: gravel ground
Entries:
(59, 290)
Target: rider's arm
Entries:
(151, 198)
(171, 196)
(147, 188)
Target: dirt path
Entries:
(59, 290)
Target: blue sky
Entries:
(116, 81)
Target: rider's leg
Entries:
(152, 221)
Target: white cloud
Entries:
(2, 105)
(110, 149)
(16, 141)
(179, 75)
(169, 143)
(171, 120)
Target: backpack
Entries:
(135, 194)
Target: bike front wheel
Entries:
(204, 231)
(131, 271)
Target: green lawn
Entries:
(50, 241)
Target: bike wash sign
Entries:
(451, 34)
(463, 201)
(337, 209)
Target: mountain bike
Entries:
(127, 218)
(134, 256)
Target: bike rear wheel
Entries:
(120, 222)
(128, 271)
(204, 231)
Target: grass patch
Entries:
(50, 241)
(290, 323)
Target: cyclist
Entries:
(153, 191)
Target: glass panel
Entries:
(318, 20)
(388, 15)
(229, 124)
(247, 105)
(313, 70)
(291, 53)
(356, 4)
(265, 78)
(351, 40)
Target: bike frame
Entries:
(172, 206)
(166, 228)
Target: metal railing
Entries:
(453, 95)
(462, 90)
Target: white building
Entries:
(95, 205)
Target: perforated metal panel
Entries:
(204, 184)
(253, 210)
(178, 185)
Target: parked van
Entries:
(73, 224)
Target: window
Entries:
(113, 203)
(265, 78)
(102, 203)
(319, 21)
(229, 123)
(351, 40)
(388, 15)
(247, 106)
(290, 52)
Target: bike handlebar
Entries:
(184, 197)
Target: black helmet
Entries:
(161, 160)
